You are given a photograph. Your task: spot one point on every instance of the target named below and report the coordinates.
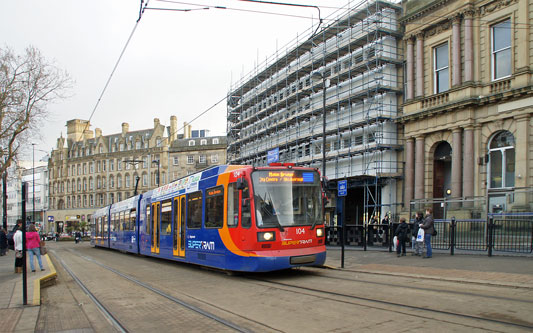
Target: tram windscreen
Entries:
(285, 198)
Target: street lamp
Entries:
(157, 162)
(33, 181)
(319, 75)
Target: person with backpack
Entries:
(402, 232)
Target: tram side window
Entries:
(166, 217)
(233, 205)
(133, 219)
(214, 207)
(175, 226)
(246, 215)
(194, 210)
(126, 224)
(112, 223)
(148, 220)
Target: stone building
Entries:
(467, 114)
(89, 170)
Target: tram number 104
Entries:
(300, 231)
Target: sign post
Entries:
(342, 191)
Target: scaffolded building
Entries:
(279, 107)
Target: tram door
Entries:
(179, 227)
(155, 227)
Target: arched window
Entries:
(502, 160)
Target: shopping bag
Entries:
(420, 235)
(395, 242)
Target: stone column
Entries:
(469, 47)
(457, 159)
(419, 168)
(420, 64)
(410, 69)
(456, 50)
(409, 171)
(468, 162)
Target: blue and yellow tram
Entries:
(237, 218)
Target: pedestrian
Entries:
(33, 244)
(77, 237)
(385, 225)
(3, 242)
(402, 232)
(417, 244)
(371, 225)
(429, 229)
(17, 246)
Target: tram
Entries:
(235, 218)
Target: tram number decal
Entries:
(133, 239)
(203, 245)
(300, 231)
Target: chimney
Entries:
(125, 128)
(156, 123)
(98, 132)
(173, 135)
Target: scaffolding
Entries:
(280, 106)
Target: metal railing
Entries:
(501, 233)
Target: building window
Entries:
(91, 167)
(202, 159)
(175, 160)
(191, 143)
(111, 165)
(127, 180)
(138, 145)
(190, 159)
(119, 164)
(501, 49)
(441, 69)
(119, 182)
(145, 179)
(104, 165)
(203, 142)
(215, 141)
(214, 158)
(111, 182)
(502, 160)
(121, 147)
(145, 162)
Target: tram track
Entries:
(113, 317)
(432, 289)
(385, 305)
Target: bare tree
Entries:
(28, 84)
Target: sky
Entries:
(176, 63)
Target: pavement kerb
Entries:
(422, 276)
(38, 283)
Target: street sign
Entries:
(50, 219)
(273, 156)
(342, 188)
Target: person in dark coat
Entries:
(402, 232)
(385, 225)
(3, 242)
(429, 228)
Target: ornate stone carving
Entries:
(495, 5)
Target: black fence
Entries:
(500, 233)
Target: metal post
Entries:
(324, 126)
(24, 273)
(343, 235)
(452, 236)
(33, 182)
(490, 226)
(4, 200)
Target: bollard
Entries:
(490, 226)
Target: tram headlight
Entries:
(320, 232)
(268, 236)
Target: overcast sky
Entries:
(177, 63)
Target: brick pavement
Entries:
(14, 315)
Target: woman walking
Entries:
(33, 244)
(429, 228)
(17, 241)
